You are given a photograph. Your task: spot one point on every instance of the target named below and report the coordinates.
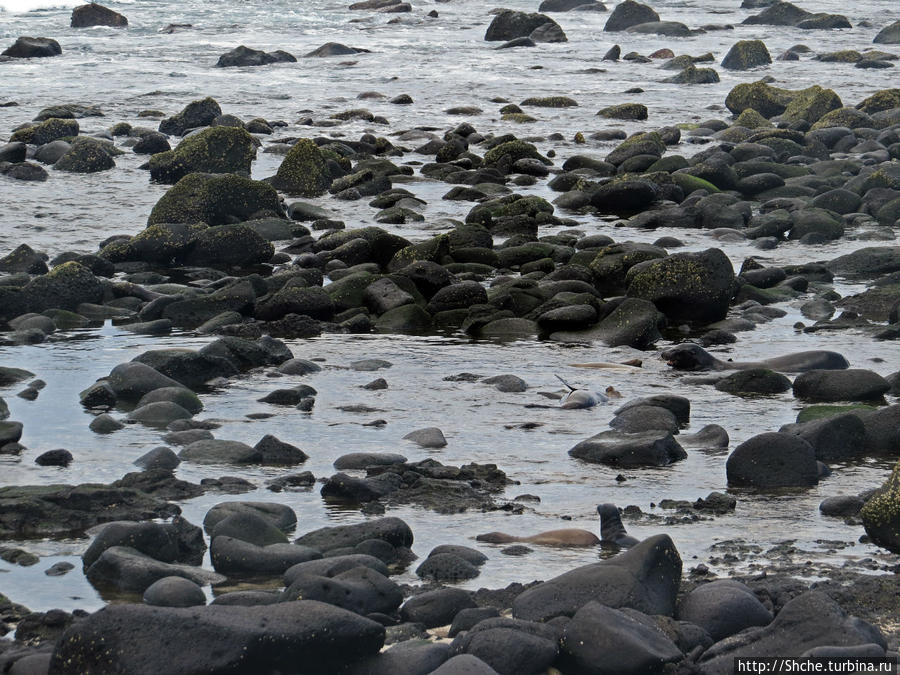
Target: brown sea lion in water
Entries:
(611, 532)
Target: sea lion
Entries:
(582, 398)
(612, 532)
(688, 356)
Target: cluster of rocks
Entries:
(633, 613)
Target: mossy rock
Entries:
(686, 286)
(212, 150)
(694, 75)
(668, 164)
(224, 246)
(689, 183)
(195, 114)
(215, 199)
(751, 119)
(87, 155)
(818, 412)
(753, 382)
(349, 292)
(550, 102)
(650, 143)
(624, 111)
(768, 101)
(503, 156)
(303, 172)
(811, 104)
(518, 118)
(434, 249)
(747, 54)
(409, 319)
(65, 287)
(611, 263)
(881, 514)
(49, 130)
(886, 99)
(163, 244)
(844, 117)
(843, 56)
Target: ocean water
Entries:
(441, 62)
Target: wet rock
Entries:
(645, 578)
(23, 259)
(279, 515)
(507, 383)
(446, 567)
(604, 640)
(175, 542)
(835, 438)
(844, 385)
(881, 515)
(466, 619)
(85, 16)
(64, 287)
(649, 448)
(250, 527)
(86, 155)
(629, 13)
(31, 47)
(754, 381)
(60, 457)
(239, 558)
(299, 367)
(363, 460)
(275, 452)
(747, 54)
(723, 608)
(53, 510)
(634, 322)
(217, 451)
(159, 414)
(511, 646)
(641, 418)
(333, 49)
(174, 592)
(303, 171)
(509, 25)
(392, 530)
(464, 664)
(245, 56)
(431, 437)
(889, 35)
(213, 150)
(436, 608)
(841, 507)
(773, 460)
(361, 590)
(199, 113)
(309, 632)
(809, 620)
(409, 656)
(624, 111)
(694, 75)
(125, 569)
(216, 199)
(334, 565)
(158, 458)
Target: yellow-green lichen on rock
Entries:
(885, 99)
(881, 514)
(811, 104)
(216, 199)
(303, 172)
(518, 118)
(624, 111)
(212, 150)
(844, 117)
(550, 102)
(504, 155)
(765, 99)
(751, 119)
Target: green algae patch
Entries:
(550, 102)
(213, 150)
(215, 199)
(304, 171)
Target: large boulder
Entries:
(723, 608)
(303, 171)
(361, 590)
(215, 199)
(178, 541)
(216, 639)
(630, 13)
(509, 25)
(32, 47)
(64, 287)
(87, 155)
(188, 367)
(889, 35)
(633, 322)
(601, 640)
(686, 286)
(436, 608)
(245, 56)
(645, 578)
(881, 513)
(778, 14)
(226, 246)
(235, 558)
(212, 150)
(511, 646)
(835, 438)
(85, 16)
(130, 382)
(392, 530)
(852, 384)
(195, 114)
(773, 460)
(124, 569)
(747, 54)
(648, 448)
(808, 621)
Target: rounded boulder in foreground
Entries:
(773, 460)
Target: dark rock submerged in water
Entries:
(31, 47)
(85, 16)
(245, 56)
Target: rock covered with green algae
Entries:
(64, 287)
(304, 171)
(506, 154)
(886, 99)
(216, 199)
(49, 130)
(808, 104)
(213, 150)
(881, 514)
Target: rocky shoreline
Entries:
(258, 268)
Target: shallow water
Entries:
(440, 62)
